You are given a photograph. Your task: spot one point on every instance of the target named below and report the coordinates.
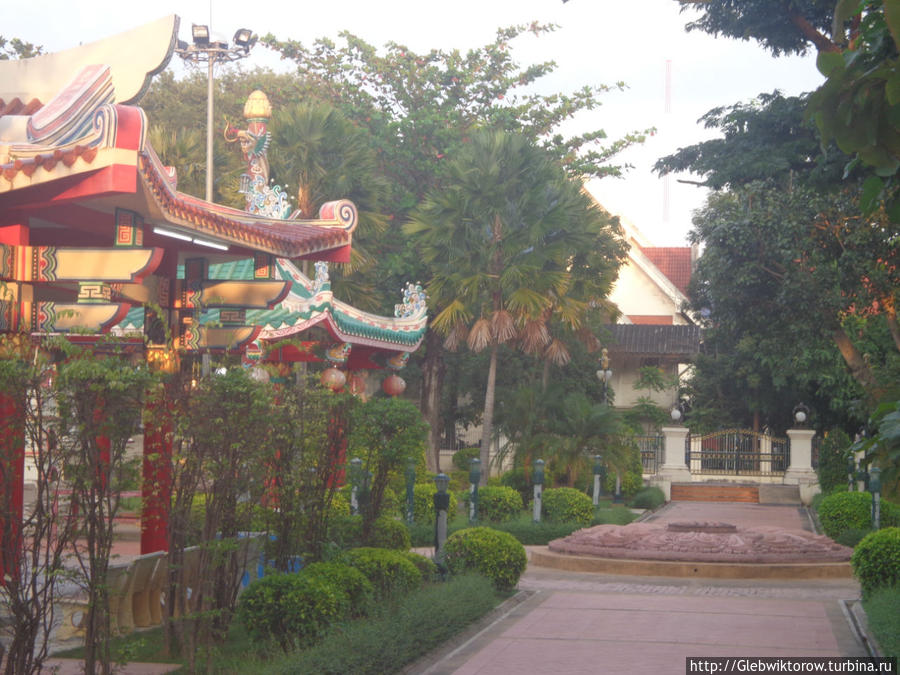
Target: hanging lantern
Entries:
(393, 385)
(333, 378)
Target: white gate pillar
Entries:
(800, 471)
(673, 469)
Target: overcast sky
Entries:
(598, 42)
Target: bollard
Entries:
(598, 484)
(875, 489)
(441, 504)
(538, 488)
(410, 489)
(474, 479)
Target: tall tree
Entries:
(421, 107)
(501, 237)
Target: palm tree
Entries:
(502, 238)
(324, 156)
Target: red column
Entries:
(156, 487)
(12, 475)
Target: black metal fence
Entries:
(737, 452)
(651, 448)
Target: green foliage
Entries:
(843, 511)
(876, 560)
(426, 566)
(386, 433)
(517, 480)
(883, 618)
(494, 554)
(15, 48)
(498, 503)
(389, 533)
(833, 456)
(291, 609)
(851, 537)
(416, 624)
(882, 448)
(462, 459)
(632, 482)
(423, 502)
(650, 497)
(390, 572)
(350, 580)
(567, 505)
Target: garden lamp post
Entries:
(598, 482)
(538, 488)
(441, 504)
(474, 478)
(801, 415)
(410, 489)
(355, 478)
(875, 489)
(205, 50)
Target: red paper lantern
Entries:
(393, 385)
(333, 378)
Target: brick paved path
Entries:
(573, 623)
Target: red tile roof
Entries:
(674, 262)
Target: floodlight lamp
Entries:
(200, 34)
(244, 37)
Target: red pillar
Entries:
(12, 475)
(156, 487)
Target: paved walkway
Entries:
(572, 623)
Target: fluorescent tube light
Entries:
(169, 233)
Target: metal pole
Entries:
(210, 168)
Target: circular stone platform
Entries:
(698, 549)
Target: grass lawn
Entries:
(883, 612)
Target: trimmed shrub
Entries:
(462, 459)
(517, 480)
(389, 533)
(567, 504)
(851, 537)
(426, 566)
(350, 580)
(496, 503)
(340, 505)
(876, 560)
(843, 511)
(389, 571)
(423, 503)
(648, 498)
(291, 609)
(345, 531)
(632, 481)
(397, 637)
(497, 555)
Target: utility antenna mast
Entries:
(668, 110)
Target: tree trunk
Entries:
(487, 428)
(859, 369)
(432, 385)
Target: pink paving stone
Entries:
(650, 634)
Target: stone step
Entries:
(779, 494)
(700, 492)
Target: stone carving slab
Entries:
(702, 542)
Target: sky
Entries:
(597, 42)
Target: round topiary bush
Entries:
(648, 498)
(841, 511)
(423, 503)
(567, 505)
(496, 503)
(496, 555)
(426, 566)
(876, 560)
(389, 533)
(462, 459)
(291, 609)
(851, 537)
(389, 571)
(350, 580)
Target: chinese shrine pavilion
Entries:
(93, 231)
